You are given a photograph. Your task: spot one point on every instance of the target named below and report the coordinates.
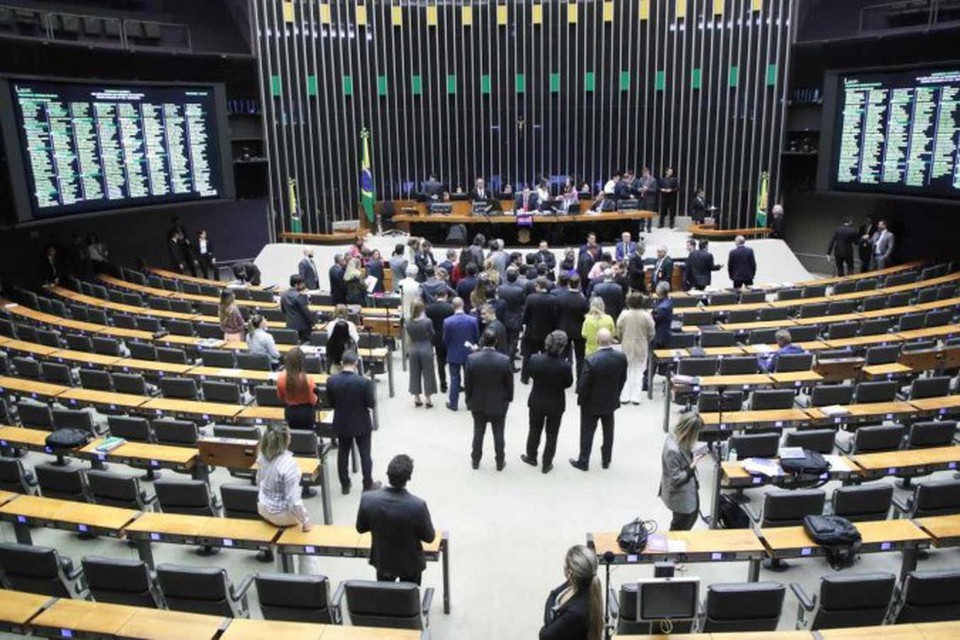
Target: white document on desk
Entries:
(676, 546)
(838, 463)
(763, 467)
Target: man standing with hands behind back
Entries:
(489, 392)
(598, 394)
(460, 332)
(308, 271)
(841, 246)
(399, 523)
(352, 396)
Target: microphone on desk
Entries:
(608, 556)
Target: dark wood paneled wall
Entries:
(513, 91)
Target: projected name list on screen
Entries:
(91, 148)
(899, 133)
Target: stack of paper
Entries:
(791, 453)
(835, 410)
(762, 467)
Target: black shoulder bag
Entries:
(839, 538)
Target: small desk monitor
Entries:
(667, 599)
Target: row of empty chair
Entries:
(210, 591)
(842, 601)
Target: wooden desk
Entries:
(885, 371)
(878, 536)
(759, 324)
(45, 318)
(244, 629)
(864, 412)
(796, 378)
(7, 496)
(154, 456)
(91, 301)
(741, 381)
(32, 388)
(69, 618)
(930, 332)
(887, 632)
(734, 476)
(941, 406)
(108, 399)
(149, 366)
(83, 357)
(769, 418)
(205, 410)
(266, 415)
(915, 461)
(194, 297)
(198, 530)
(938, 630)
(342, 632)
(31, 348)
(344, 541)
(944, 530)
(18, 607)
(24, 438)
(839, 369)
(947, 357)
(843, 317)
(27, 511)
(161, 624)
(860, 341)
(702, 545)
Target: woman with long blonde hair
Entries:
(679, 487)
(597, 318)
(574, 610)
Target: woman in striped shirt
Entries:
(279, 499)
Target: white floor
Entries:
(509, 530)
(776, 264)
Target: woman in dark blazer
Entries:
(552, 375)
(574, 610)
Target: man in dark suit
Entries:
(700, 267)
(610, 292)
(841, 246)
(741, 265)
(662, 316)
(338, 288)
(662, 268)
(545, 257)
(488, 315)
(308, 271)
(432, 188)
(51, 266)
(598, 393)
(539, 319)
(399, 523)
(489, 392)
(466, 286)
(480, 193)
(430, 289)
(699, 206)
(438, 311)
(513, 296)
(460, 332)
(296, 308)
(352, 397)
(552, 375)
(572, 307)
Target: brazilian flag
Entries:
(367, 195)
(763, 198)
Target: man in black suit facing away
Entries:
(489, 392)
(308, 271)
(438, 311)
(552, 375)
(841, 246)
(700, 266)
(513, 296)
(572, 307)
(598, 391)
(352, 397)
(399, 523)
(610, 292)
(296, 308)
(539, 319)
(338, 288)
(741, 265)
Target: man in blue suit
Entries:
(625, 248)
(785, 346)
(460, 332)
(741, 265)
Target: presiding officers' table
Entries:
(345, 541)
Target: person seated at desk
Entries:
(768, 363)
(247, 273)
(606, 201)
(260, 341)
(574, 610)
(543, 193)
(480, 194)
(432, 188)
(569, 196)
(699, 206)
(296, 391)
(527, 200)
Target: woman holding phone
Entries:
(679, 487)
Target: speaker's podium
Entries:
(232, 453)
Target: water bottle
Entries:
(732, 455)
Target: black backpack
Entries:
(807, 469)
(839, 538)
(67, 439)
(731, 515)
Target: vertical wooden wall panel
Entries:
(453, 90)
